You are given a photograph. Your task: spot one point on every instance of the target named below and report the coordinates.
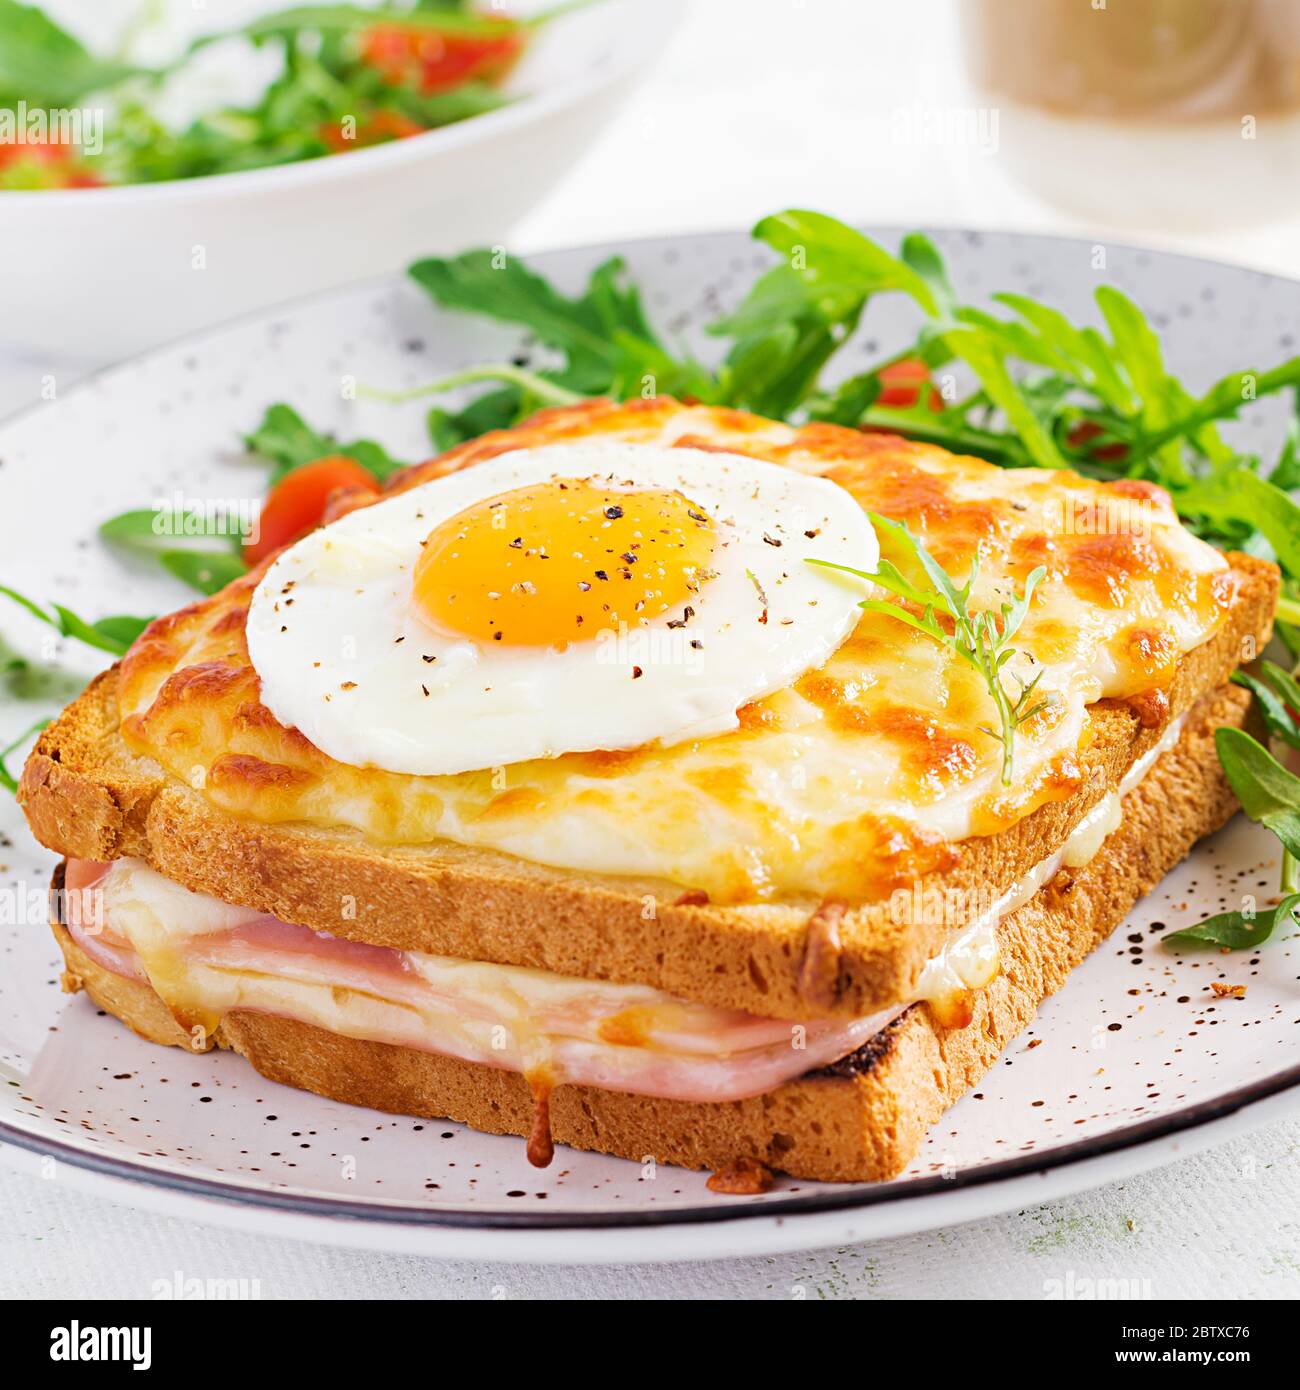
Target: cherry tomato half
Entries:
(44, 164)
(408, 56)
(1084, 432)
(376, 129)
(297, 503)
(902, 383)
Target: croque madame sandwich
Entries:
(569, 791)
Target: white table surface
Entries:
(759, 104)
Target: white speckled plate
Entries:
(1134, 1062)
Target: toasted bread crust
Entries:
(860, 1120)
(87, 796)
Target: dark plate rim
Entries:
(852, 1197)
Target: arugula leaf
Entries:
(208, 571)
(922, 255)
(1272, 705)
(347, 18)
(493, 410)
(120, 630)
(1286, 472)
(507, 290)
(1239, 495)
(1135, 345)
(989, 364)
(771, 372)
(1268, 793)
(841, 264)
(44, 65)
(1084, 348)
(799, 314)
(145, 531)
(779, 295)
(288, 441)
(1221, 402)
(7, 780)
(594, 331)
(1238, 931)
(113, 634)
(1283, 682)
(603, 336)
(136, 529)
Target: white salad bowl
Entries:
(97, 274)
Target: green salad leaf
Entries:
(205, 570)
(286, 439)
(7, 780)
(336, 91)
(1238, 931)
(1268, 793)
(113, 634)
(45, 66)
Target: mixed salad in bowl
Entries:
(346, 77)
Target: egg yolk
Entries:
(562, 560)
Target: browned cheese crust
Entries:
(88, 797)
(863, 1119)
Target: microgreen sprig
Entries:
(7, 780)
(981, 639)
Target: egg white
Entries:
(345, 655)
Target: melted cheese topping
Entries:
(853, 780)
(969, 960)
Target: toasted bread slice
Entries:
(87, 796)
(862, 1119)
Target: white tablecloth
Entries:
(1196, 1229)
(759, 105)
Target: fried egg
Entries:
(559, 599)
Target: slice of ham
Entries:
(82, 912)
(586, 1032)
